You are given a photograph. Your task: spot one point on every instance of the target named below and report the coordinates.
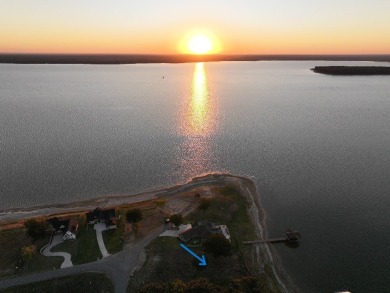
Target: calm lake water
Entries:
(318, 147)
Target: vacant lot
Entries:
(11, 242)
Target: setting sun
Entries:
(200, 44)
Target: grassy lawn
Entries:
(113, 239)
(11, 243)
(227, 207)
(84, 249)
(166, 260)
(87, 282)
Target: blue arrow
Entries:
(201, 259)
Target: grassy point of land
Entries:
(167, 261)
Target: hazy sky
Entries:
(158, 26)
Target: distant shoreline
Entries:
(352, 70)
(111, 59)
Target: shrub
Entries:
(133, 216)
(217, 245)
(35, 229)
(176, 219)
(177, 286)
(27, 252)
(153, 288)
(204, 204)
(201, 285)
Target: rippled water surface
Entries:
(318, 146)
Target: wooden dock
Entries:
(273, 240)
(290, 236)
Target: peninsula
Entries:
(140, 255)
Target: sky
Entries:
(161, 26)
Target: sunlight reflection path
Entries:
(198, 124)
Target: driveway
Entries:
(57, 239)
(117, 267)
(100, 227)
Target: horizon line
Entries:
(97, 58)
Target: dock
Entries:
(289, 236)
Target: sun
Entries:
(200, 44)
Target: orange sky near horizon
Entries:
(150, 27)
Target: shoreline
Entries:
(245, 185)
(112, 59)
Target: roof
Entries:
(73, 225)
(59, 224)
(201, 229)
(99, 214)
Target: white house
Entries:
(69, 236)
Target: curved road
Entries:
(117, 267)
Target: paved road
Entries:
(117, 267)
(57, 239)
(99, 228)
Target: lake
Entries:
(318, 147)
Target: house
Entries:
(59, 226)
(73, 226)
(200, 230)
(106, 216)
(66, 227)
(111, 223)
(69, 236)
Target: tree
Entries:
(153, 288)
(201, 285)
(176, 219)
(35, 229)
(204, 204)
(217, 245)
(27, 252)
(133, 216)
(246, 284)
(177, 286)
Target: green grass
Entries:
(40, 263)
(84, 249)
(87, 282)
(11, 243)
(113, 239)
(227, 207)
